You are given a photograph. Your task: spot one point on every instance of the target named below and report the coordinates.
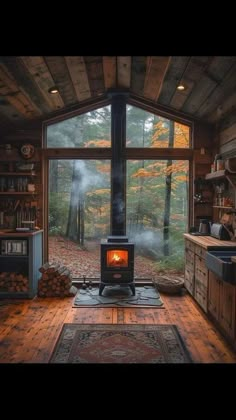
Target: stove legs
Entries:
(132, 287)
(101, 287)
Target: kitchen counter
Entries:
(215, 296)
(208, 242)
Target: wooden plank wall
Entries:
(226, 135)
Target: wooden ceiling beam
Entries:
(13, 91)
(192, 73)
(62, 79)
(123, 72)
(215, 72)
(173, 76)
(155, 74)
(109, 71)
(78, 73)
(138, 74)
(41, 75)
(94, 66)
(222, 91)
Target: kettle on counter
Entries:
(205, 226)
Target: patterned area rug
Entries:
(119, 296)
(120, 343)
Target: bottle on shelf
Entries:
(218, 164)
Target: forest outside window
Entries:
(145, 129)
(88, 130)
(118, 153)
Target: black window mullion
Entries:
(118, 165)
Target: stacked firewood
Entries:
(56, 280)
(13, 282)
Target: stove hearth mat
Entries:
(119, 296)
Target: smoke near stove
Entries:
(118, 208)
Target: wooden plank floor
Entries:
(29, 328)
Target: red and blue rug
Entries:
(120, 343)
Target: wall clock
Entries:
(27, 151)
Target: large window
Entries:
(84, 185)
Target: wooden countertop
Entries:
(14, 234)
(208, 242)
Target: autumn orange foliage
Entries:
(160, 136)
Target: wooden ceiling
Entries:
(210, 82)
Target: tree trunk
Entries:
(166, 233)
(82, 220)
(53, 179)
(80, 231)
(74, 227)
(72, 223)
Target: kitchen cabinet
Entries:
(189, 267)
(221, 305)
(201, 277)
(216, 297)
(196, 273)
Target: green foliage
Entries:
(55, 230)
(172, 262)
(77, 131)
(58, 213)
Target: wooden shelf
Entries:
(202, 202)
(17, 174)
(216, 174)
(15, 156)
(224, 174)
(223, 207)
(18, 193)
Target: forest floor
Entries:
(86, 261)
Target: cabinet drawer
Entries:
(200, 251)
(189, 259)
(200, 294)
(189, 245)
(189, 280)
(201, 271)
(227, 309)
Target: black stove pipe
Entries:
(118, 135)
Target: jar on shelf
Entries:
(219, 163)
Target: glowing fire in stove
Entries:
(117, 258)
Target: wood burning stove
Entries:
(117, 262)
